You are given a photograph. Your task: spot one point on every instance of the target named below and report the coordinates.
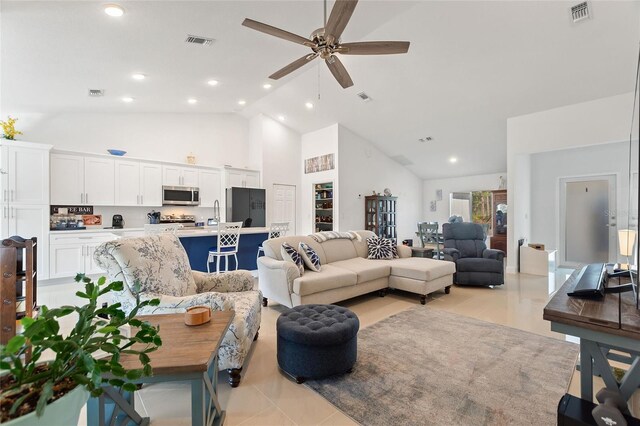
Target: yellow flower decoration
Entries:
(9, 129)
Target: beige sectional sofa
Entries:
(346, 272)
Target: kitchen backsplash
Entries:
(136, 217)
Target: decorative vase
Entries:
(63, 411)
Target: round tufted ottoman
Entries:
(316, 341)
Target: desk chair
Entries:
(276, 230)
(228, 241)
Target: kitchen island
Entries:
(71, 251)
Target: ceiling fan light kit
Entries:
(325, 43)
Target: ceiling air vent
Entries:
(96, 93)
(580, 12)
(202, 41)
(402, 160)
(364, 96)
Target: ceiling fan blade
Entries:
(277, 32)
(373, 48)
(339, 18)
(293, 66)
(339, 71)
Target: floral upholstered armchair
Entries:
(157, 266)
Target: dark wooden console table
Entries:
(603, 325)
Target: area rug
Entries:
(431, 367)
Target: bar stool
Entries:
(276, 230)
(228, 240)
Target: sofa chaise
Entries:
(346, 272)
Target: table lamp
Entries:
(626, 240)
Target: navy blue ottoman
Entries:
(317, 341)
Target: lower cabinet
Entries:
(73, 254)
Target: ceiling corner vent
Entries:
(364, 97)
(580, 12)
(202, 41)
(96, 93)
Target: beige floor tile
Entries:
(270, 417)
(339, 419)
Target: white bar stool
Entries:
(276, 230)
(228, 240)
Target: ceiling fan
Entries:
(325, 43)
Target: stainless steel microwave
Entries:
(180, 196)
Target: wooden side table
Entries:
(187, 354)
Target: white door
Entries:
(67, 179)
(90, 266)
(210, 187)
(252, 180)
(32, 221)
(171, 175)
(99, 176)
(66, 260)
(190, 177)
(127, 183)
(235, 179)
(28, 176)
(151, 184)
(284, 205)
(588, 223)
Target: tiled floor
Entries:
(266, 397)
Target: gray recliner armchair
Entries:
(475, 263)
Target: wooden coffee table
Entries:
(188, 353)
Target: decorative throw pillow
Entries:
(380, 248)
(291, 254)
(394, 250)
(309, 256)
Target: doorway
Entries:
(284, 205)
(587, 220)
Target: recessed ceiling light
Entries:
(138, 76)
(453, 160)
(212, 82)
(266, 86)
(309, 105)
(281, 117)
(242, 102)
(114, 10)
(127, 99)
(192, 101)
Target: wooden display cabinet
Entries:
(380, 216)
(323, 206)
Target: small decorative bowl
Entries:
(117, 152)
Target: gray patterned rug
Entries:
(430, 367)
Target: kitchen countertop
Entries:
(199, 231)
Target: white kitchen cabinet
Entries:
(243, 178)
(179, 176)
(24, 195)
(67, 179)
(127, 183)
(150, 184)
(27, 174)
(99, 176)
(210, 187)
(82, 180)
(71, 254)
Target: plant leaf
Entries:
(45, 394)
(15, 344)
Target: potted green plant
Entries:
(60, 386)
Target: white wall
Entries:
(319, 142)
(548, 167)
(364, 168)
(486, 182)
(276, 150)
(215, 139)
(588, 123)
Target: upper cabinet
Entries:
(210, 187)
(240, 178)
(25, 174)
(179, 176)
(78, 180)
(138, 183)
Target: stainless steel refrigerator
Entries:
(246, 205)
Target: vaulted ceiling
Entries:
(471, 65)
